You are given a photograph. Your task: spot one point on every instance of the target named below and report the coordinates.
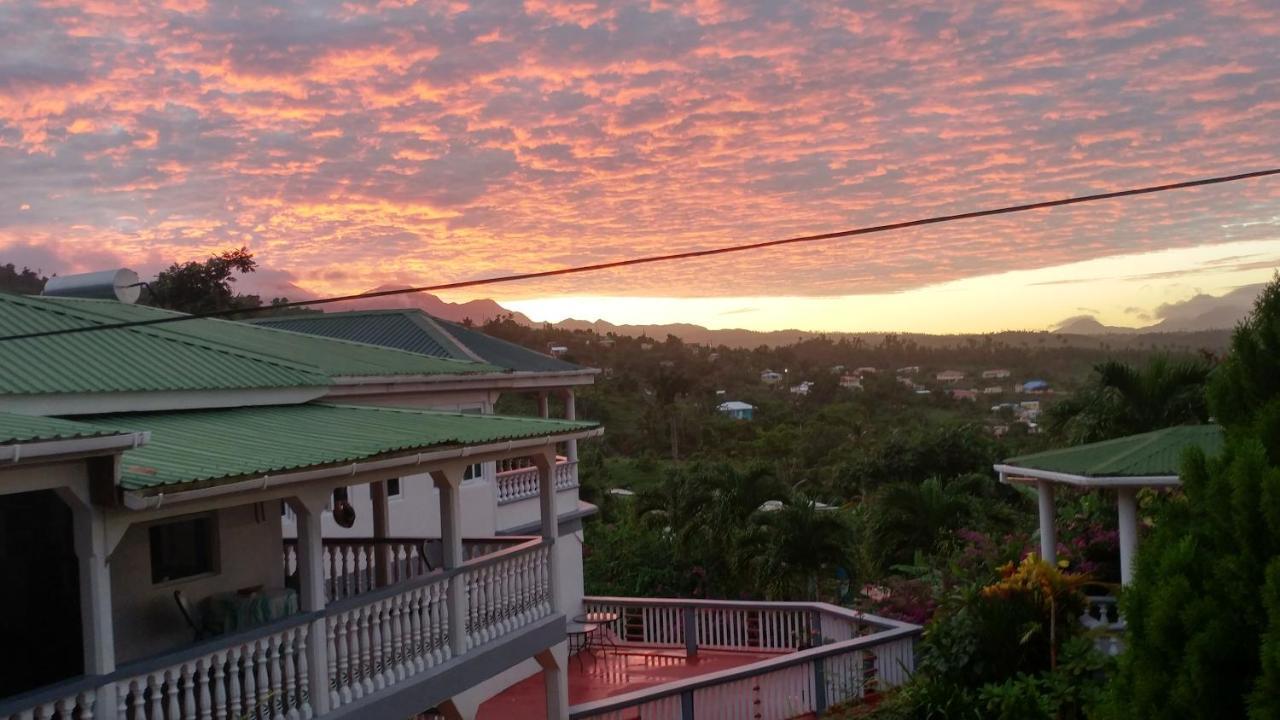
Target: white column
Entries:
(1048, 515)
(311, 593)
(381, 551)
(553, 661)
(1127, 505)
(448, 482)
(96, 627)
(571, 413)
(544, 405)
(546, 464)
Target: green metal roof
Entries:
(205, 447)
(417, 332)
(26, 428)
(1152, 454)
(333, 357)
(141, 359)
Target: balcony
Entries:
(681, 659)
(519, 481)
(389, 627)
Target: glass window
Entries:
(472, 472)
(393, 488)
(183, 549)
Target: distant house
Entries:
(737, 410)
(1035, 386)
(963, 394)
(865, 371)
(908, 382)
(993, 390)
(770, 377)
(557, 350)
(995, 374)
(1030, 405)
(949, 376)
(802, 388)
(606, 342)
(837, 369)
(852, 382)
(713, 356)
(909, 370)
(646, 346)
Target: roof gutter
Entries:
(44, 449)
(135, 501)
(1012, 473)
(357, 380)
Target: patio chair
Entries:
(190, 615)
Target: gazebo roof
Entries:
(1146, 459)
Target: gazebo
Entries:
(1124, 464)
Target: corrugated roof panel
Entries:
(25, 428)
(335, 357)
(392, 329)
(415, 331)
(211, 446)
(142, 359)
(1152, 454)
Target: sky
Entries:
(353, 145)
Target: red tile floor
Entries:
(613, 672)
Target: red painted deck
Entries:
(613, 673)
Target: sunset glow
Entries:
(354, 145)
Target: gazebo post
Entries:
(1127, 507)
(1048, 515)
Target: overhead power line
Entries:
(723, 250)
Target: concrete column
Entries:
(546, 464)
(553, 661)
(96, 627)
(311, 593)
(1048, 516)
(381, 551)
(571, 413)
(544, 405)
(1127, 505)
(448, 482)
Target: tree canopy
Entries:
(208, 286)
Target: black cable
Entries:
(673, 256)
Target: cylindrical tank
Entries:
(119, 285)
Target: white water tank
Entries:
(119, 285)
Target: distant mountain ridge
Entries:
(1201, 312)
(477, 311)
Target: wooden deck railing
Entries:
(827, 655)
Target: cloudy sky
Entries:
(352, 145)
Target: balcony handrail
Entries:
(435, 576)
(495, 540)
(825, 608)
(781, 662)
(15, 704)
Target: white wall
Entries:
(147, 620)
(415, 512)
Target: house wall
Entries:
(146, 618)
(415, 512)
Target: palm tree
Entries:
(1122, 400)
(800, 542)
(916, 516)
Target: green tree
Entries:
(1120, 400)
(1203, 611)
(199, 287)
(802, 542)
(22, 282)
(915, 516)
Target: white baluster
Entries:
(286, 660)
(399, 636)
(235, 706)
(377, 656)
(335, 675)
(342, 655)
(274, 667)
(219, 686)
(171, 693)
(203, 696)
(261, 658)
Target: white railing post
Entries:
(381, 556)
(92, 552)
(448, 481)
(1127, 508)
(546, 464)
(311, 585)
(571, 413)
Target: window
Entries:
(473, 472)
(183, 549)
(393, 488)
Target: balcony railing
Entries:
(351, 565)
(375, 640)
(521, 483)
(827, 655)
